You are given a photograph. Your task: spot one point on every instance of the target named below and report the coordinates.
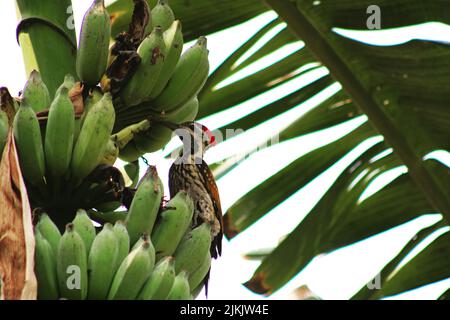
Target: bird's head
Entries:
(196, 137)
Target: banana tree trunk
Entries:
(46, 33)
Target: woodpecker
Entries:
(192, 174)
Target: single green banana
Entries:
(111, 153)
(193, 249)
(173, 38)
(109, 207)
(102, 263)
(123, 239)
(45, 268)
(36, 92)
(132, 171)
(187, 112)
(4, 128)
(132, 274)
(27, 134)
(68, 83)
(85, 228)
(103, 217)
(198, 276)
(154, 139)
(196, 291)
(145, 205)
(93, 139)
(187, 80)
(180, 289)
(173, 224)
(59, 135)
(160, 282)
(93, 48)
(162, 15)
(48, 229)
(71, 265)
(152, 52)
(151, 249)
(130, 153)
(94, 96)
(124, 136)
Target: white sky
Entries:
(334, 276)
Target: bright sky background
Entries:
(334, 276)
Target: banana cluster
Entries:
(57, 148)
(148, 253)
(147, 73)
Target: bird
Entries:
(190, 173)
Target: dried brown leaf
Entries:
(16, 230)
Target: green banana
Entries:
(152, 3)
(36, 92)
(111, 153)
(59, 135)
(85, 228)
(68, 83)
(130, 153)
(27, 134)
(132, 274)
(185, 113)
(102, 263)
(173, 224)
(160, 282)
(109, 207)
(123, 238)
(187, 80)
(132, 171)
(94, 96)
(173, 38)
(180, 289)
(198, 276)
(162, 15)
(124, 136)
(152, 52)
(4, 128)
(196, 291)
(107, 216)
(49, 231)
(45, 267)
(151, 249)
(154, 139)
(193, 249)
(71, 265)
(145, 205)
(93, 48)
(93, 139)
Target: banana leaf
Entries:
(366, 293)
(46, 34)
(382, 80)
(199, 17)
(430, 265)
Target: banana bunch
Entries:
(145, 71)
(151, 253)
(58, 148)
(163, 86)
